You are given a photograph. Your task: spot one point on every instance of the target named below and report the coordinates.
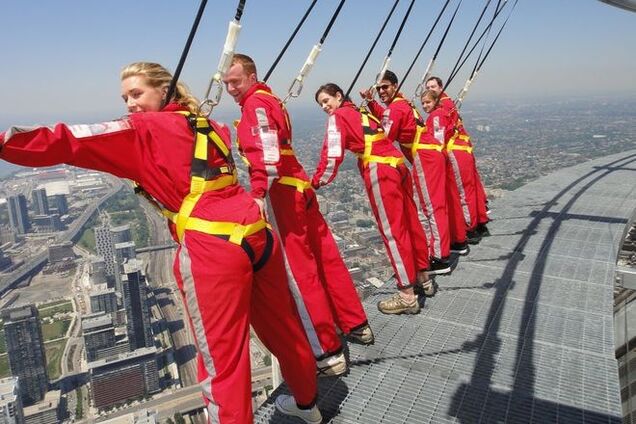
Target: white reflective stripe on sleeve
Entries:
(82, 131)
(329, 170)
(269, 145)
(385, 227)
(437, 130)
(18, 130)
(419, 173)
(185, 269)
(334, 139)
(305, 318)
(460, 187)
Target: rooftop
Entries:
(522, 331)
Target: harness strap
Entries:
(452, 146)
(301, 185)
(373, 135)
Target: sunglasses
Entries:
(383, 87)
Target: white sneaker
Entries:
(287, 405)
(332, 365)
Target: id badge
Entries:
(269, 141)
(334, 147)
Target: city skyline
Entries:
(547, 49)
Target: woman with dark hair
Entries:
(388, 185)
(228, 265)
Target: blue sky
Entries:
(61, 59)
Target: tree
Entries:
(178, 419)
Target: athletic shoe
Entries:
(482, 230)
(398, 305)
(362, 335)
(439, 267)
(332, 365)
(287, 405)
(473, 237)
(461, 249)
(429, 288)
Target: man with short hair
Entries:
(319, 280)
(402, 123)
(463, 169)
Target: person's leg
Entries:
(341, 292)
(215, 277)
(289, 217)
(277, 324)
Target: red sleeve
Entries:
(376, 109)
(102, 147)
(259, 144)
(332, 153)
(392, 122)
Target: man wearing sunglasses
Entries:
(403, 123)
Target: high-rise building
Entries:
(125, 376)
(103, 299)
(99, 333)
(105, 248)
(58, 203)
(48, 223)
(18, 214)
(135, 294)
(40, 202)
(45, 412)
(25, 349)
(10, 404)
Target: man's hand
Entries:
(367, 95)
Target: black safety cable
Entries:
(331, 22)
(366, 58)
(184, 53)
(462, 94)
(282, 52)
(483, 46)
(495, 40)
(296, 86)
(212, 98)
(479, 60)
(387, 59)
(470, 37)
(470, 52)
(420, 87)
(439, 16)
(239, 10)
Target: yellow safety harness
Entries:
(203, 179)
(374, 135)
(300, 184)
(456, 136)
(420, 128)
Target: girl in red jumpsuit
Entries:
(228, 266)
(389, 187)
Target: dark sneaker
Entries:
(332, 365)
(482, 230)
(287, 405)
(398, 305)
(429, 288)
(362, 335)
(460, 248)
(473, 237)
(439, 267)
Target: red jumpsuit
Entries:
(388, 184)
(462, 164)
(222, 291)
(401, 121)
(321, 284)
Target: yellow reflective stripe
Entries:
(188, 204)
(199, 185)
(236, 232)
(468, 149)
(287, 152)
(201, 147)
(389, 160)
(437, 147)
(301, 185)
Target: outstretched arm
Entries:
(108, 146)
(331, 156)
